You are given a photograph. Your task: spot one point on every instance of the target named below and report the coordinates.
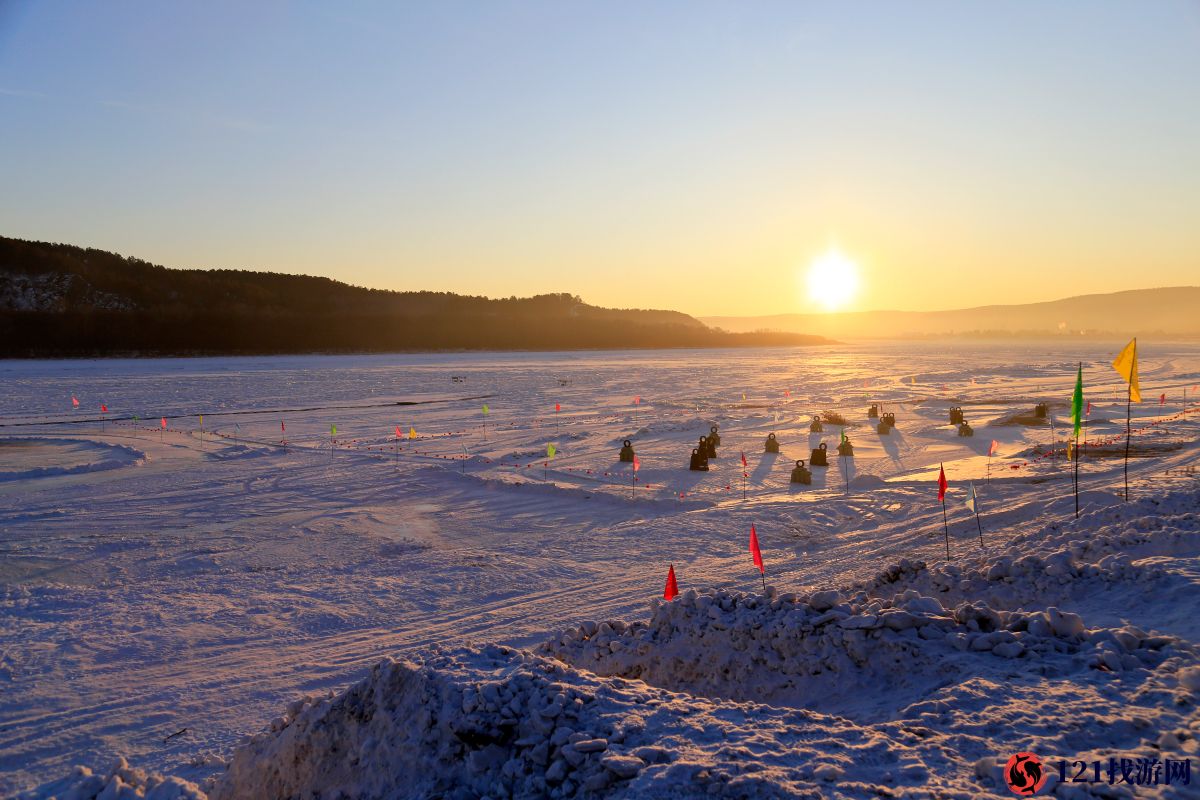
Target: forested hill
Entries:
(62, 300)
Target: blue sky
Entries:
(692, 155)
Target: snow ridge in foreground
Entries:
(919, 683)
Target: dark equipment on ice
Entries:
(699, 461)
(772, 443)
(965, 429)
(800, 474)
(873, 411)
(819, 456)
(816, 426)
(708, 446)
(845, 448)
(627, 452)
(956, 415)
(1041, 411)
(886, 423)
(714, 437)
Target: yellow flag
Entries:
(1126, 365)
(412, 433)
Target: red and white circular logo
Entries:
(1024, 774)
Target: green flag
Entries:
(485, 410)
(333, 430)
(843, 436)
(1077, 401)
(551, 450)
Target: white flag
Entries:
(973, 501)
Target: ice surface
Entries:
(229, 573)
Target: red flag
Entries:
(787, 392)
(754, 551)
(282, 427)
(744, 465)
(74, 401)
(992, 449)
(1088, 413)
(1162, 399)
(557, 408)
(164, 423)
(398, 434)
(672, 590)
(637, 464)
(637, 400)
(942, 484)
(103, 408)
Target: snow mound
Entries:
(500, 722)
(30, 458)
(1100, 551)
(121, 783)
(859, 657)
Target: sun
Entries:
(832, 280)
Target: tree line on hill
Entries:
(61, 300)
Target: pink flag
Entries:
(74, 401)
(787, 392)
(992, 449)
(637, 400)
(754, 551)
(398, 434)
(1088, 413)
(637, 464)
(164, 423)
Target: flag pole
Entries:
(979, 525)
(1128, 432)
(945, 521)
(1078, 411)
(1053, 442)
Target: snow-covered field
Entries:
(454, 614)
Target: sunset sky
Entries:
(693, 156)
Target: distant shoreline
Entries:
(66, 356)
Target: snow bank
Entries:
(29, 458)
(121, 783)
(856, 656)
(1102, 550)
(506, 723)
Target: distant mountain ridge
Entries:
(1172, 311)
(58, 299)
